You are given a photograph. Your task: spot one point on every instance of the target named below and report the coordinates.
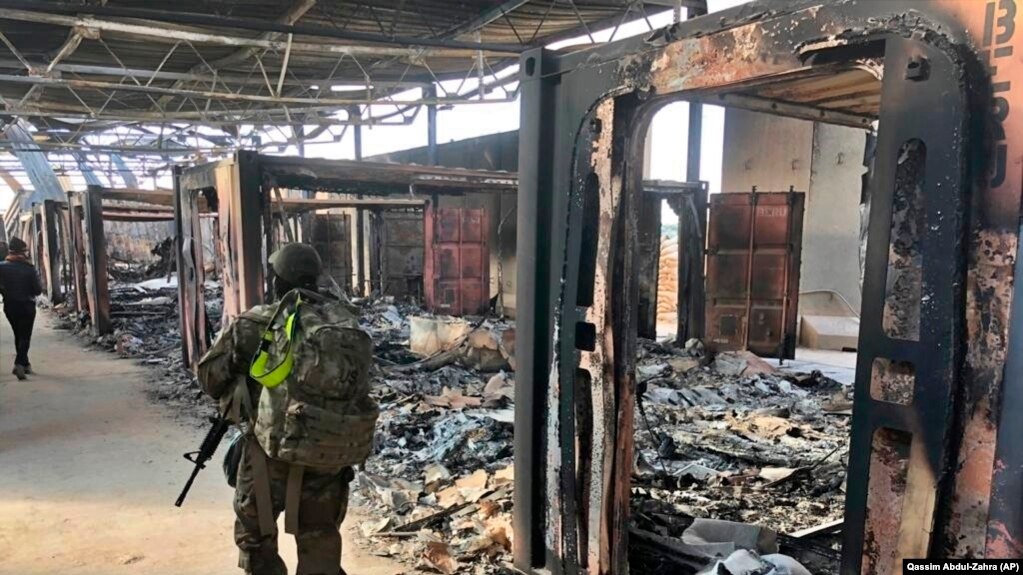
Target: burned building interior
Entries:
(668, 286)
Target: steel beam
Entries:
(292, 15)
(73, 83)
(94, 240)
(361, 274)
(692, 236)
(298, 205)
(534, 321)
(431, 127)
(381, 178)
(650, 247)
(486, 17)
(196, 75)
(158, 30)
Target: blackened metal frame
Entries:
(78, 227)
(583, 120)
(689, 202)
(239, 191)
(89, 242)
(48, 223)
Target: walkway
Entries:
(90, 468)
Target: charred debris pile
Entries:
(730, 437)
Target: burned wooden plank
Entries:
(96, 261)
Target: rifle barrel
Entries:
(188, 484)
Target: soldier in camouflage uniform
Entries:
(324, 493)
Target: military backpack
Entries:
(314, 362)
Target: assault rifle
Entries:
(206, 450)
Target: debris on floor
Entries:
(730, 437)
(733, 438)
(738, 440)
(440, 481)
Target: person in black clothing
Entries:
(19, 284)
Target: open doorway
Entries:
(898, 438)
(742, 429)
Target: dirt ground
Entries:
(90, 468)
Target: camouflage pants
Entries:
(324, 502)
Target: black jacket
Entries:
(19, 282)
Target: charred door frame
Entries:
(76, 243)
(47, 217)
(85, 238)
(241, 189)
(232, 190)
(688, 200)
(578, 167)
(94, 242)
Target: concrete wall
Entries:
(831, 227)
(825, 162)
(765, 151)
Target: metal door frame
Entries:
(580, 115)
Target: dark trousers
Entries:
(22, 315)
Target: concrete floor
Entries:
(90, 468)
(838, 365)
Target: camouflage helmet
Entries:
(296, 264)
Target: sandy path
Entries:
(90, 467)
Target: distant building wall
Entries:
(765, 151)
(493, 152)
(498, 152)
(831, 231)
(825, 161)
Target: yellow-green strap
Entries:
(260, 370)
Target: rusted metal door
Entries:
(330, 235)
(753, 256)
(457, 260)
(402, 248)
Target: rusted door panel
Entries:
(330, 236)
(402, 244)
(457, 260)
(752, 304)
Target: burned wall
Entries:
(491, 152)
(133, 242)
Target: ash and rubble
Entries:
(740, 440)
(439, 484)
(730, 437)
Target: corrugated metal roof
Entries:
(223, 61)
